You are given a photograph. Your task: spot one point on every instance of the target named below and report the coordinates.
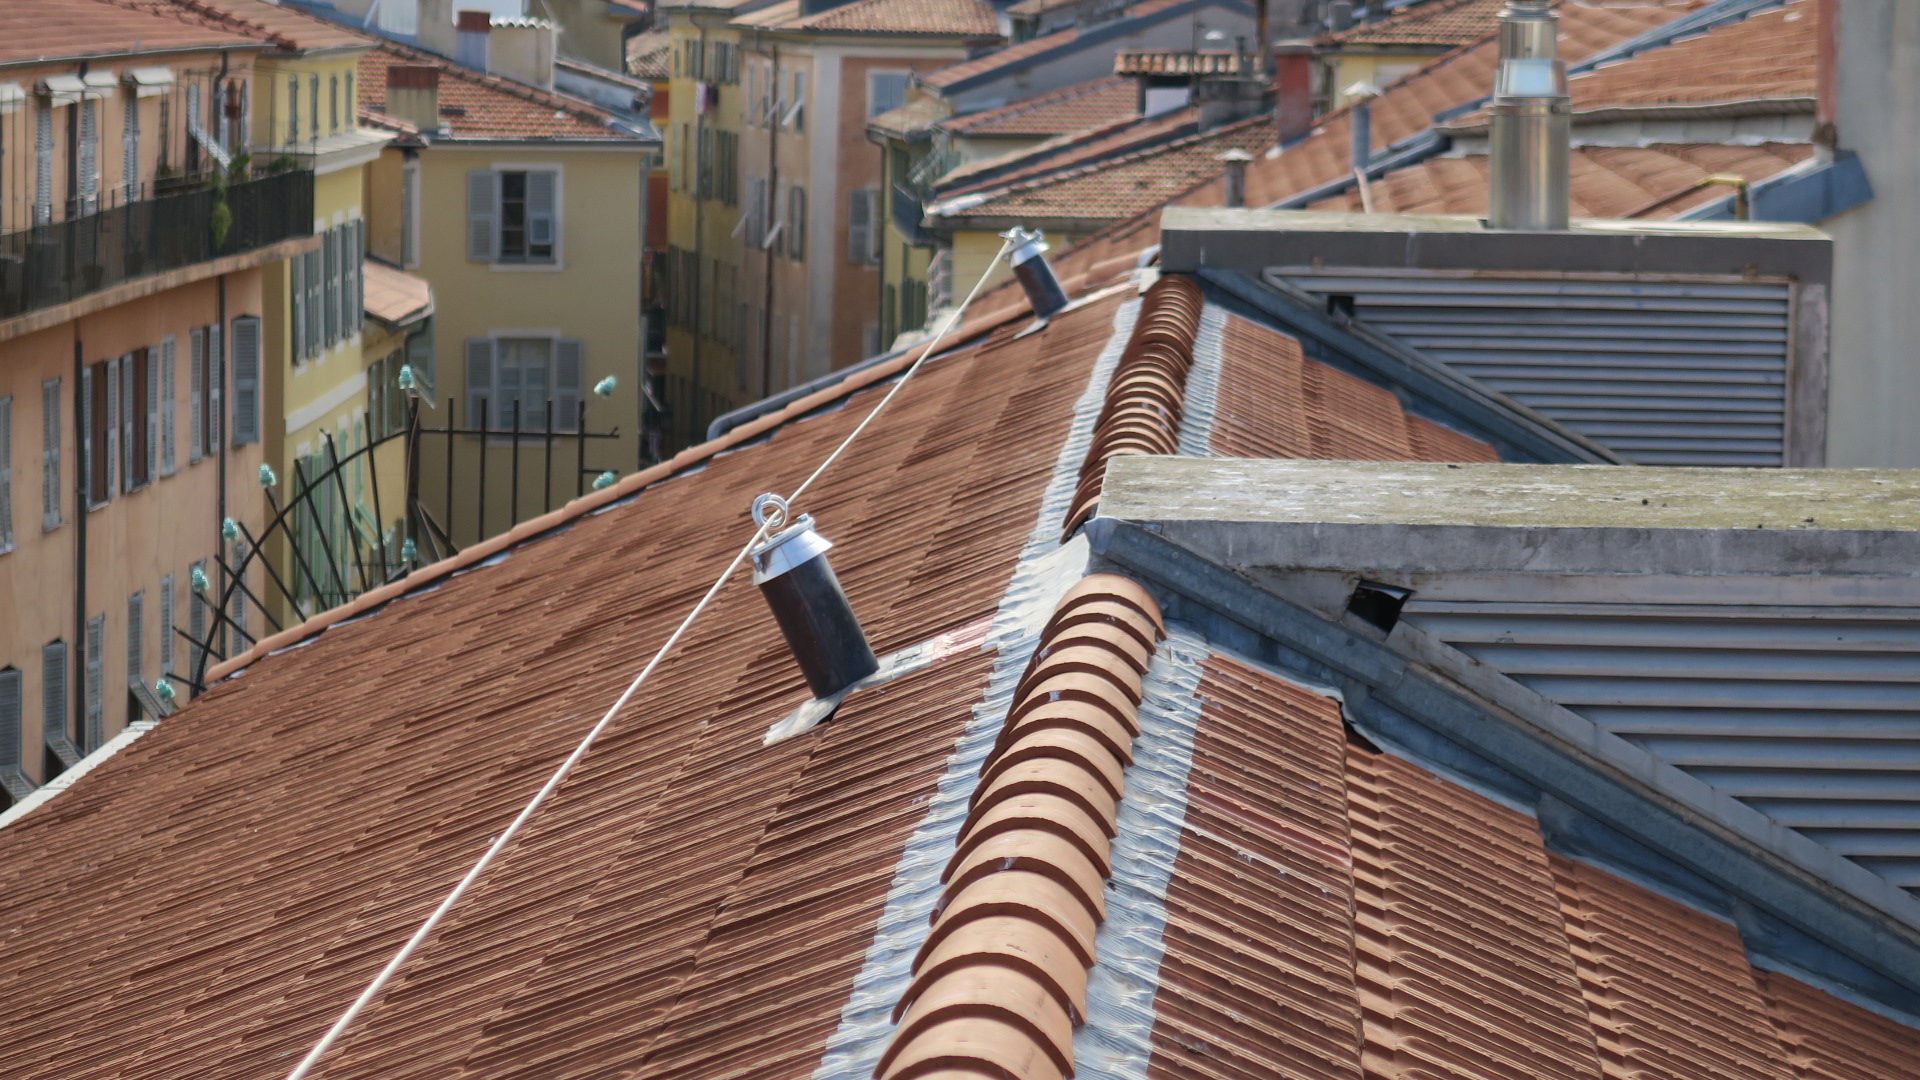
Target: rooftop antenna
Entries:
(1532, 118)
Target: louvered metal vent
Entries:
(1812, 718)
(1662, 372)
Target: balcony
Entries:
(50, 265)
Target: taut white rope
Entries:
(767, 525)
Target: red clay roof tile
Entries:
(1058, 112)
(36, 30)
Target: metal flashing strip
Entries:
(1045, 570)
(86, 765)
(1202, 396)
(1115, 1042)
(1830, 931)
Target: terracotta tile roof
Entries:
(649, 55)
(476, 106)
(973, 19)
(1057, 112)
(394, 296)
(1406, 108)
(1438, 24)
(1025, 50)
(695, 904)
(915, 119)
(1335, 912)
(1660, 181)
(287, 27)
(1114, 188)
(58, 29)
(1071, 151)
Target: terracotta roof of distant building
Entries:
(42, 30)
(477, 106)
(972, 19)
(287, 27)
(1056, 112)
(698, 904)
(649, 55)
(915, 119)
(394, 296)
(1113, 188)
(1014, 54)
(1438, 24)
(1071, 151)
(1660, 181)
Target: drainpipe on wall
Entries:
(773, 203)
(218, 424)
(82, 475)
(699, 231)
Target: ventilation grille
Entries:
(1662, 373)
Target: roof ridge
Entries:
(586, 504)
(525, 91)
(197, 13)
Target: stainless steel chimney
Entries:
(1531, 122)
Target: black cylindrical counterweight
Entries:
(1030, 267)
(813, 612)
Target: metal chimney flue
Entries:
(791, 569)
(1531, 122)
(1036, 277)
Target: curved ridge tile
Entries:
(1001, 981)
(1147, 394)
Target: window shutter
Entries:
(128, 404)
(330, 296)
(196, 374)
(216, 382)
(859, 226)
(169, 404)
(53, 691)
(10, 754)
(483, 200)
(89, 179)
(542, 206)
(130, 147)
(86, 434)
(96, 682)
(50, 453)
(246, 380)
(357, 268)
(297, 288)
(479, 379)
(316, 300)
(6, 473)
(137, 637)
(112, 448)
(339, 280)
(153, 412)
(166, 625)
(568, 373)
(43, 165)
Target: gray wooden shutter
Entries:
(330, 295)
(297, 288)
(568, 373)
(6, 473)
(137, 637)
(196, 373)
(130, 147)
(166, 625)
(216, 382)
(246, 380)
(112, 440)
(43, 164)
(316, 300)
(96, 682)
(479, 378)
(543, 209)
(483, 201)
(357, 269)
(50, 453)
(169, 404)
(10, 755)
(859, 226)
(53, 690)
(154, 359)
(89, 179)
(86, 435)
(129, 367)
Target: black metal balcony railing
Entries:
(64, 261)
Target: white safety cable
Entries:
(770, 522)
